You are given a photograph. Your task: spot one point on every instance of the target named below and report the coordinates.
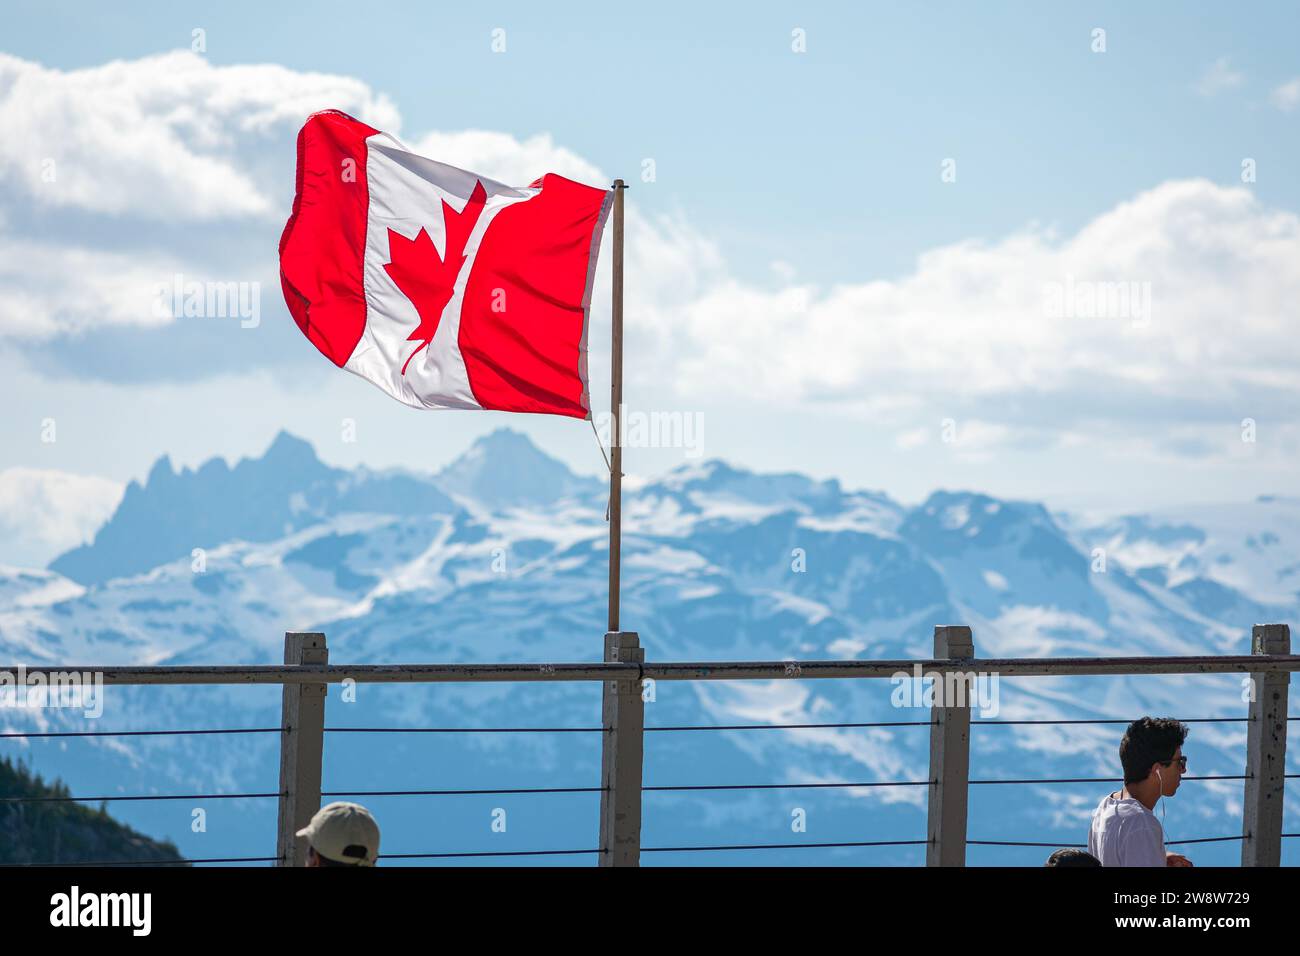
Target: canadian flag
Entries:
(445, 289)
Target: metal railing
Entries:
(306, 673)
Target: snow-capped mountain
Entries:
(501, 557)
(258, 500)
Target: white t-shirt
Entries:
(1125, 833)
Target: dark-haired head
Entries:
(1147, 742)
(1071, 857)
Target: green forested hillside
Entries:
(58, 832)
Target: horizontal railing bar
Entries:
(899, 783)
(530, 790)
(669, 849)
(167, 796)
(337, 673)
(1101, 779)
(1063, 846)
(222, 859)
(466, 730)
(455, 793)
(443, 856)
(592, 730)
(878, 723)
(791, 786)
(540, 790)
(1114, 720)
(930, 723)
(720, 670)
(1001, 666)
(781, 846)
(144, 733)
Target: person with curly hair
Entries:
(1125, 831)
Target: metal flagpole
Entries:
(622, 710)
(616, 403)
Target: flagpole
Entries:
(616, 403)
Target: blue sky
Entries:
(781, 177)
(1043, 128)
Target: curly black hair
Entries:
(1072, 857)
(1149, 740)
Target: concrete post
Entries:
(623, 714)
(949, 759)
(1261, 824)
(302, 742)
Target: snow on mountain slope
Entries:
(719, 564)
(1250, 549)
(532, 478)
(22, 587)
(714, 490)
(261, 499)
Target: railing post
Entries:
(623, 716)
(1261, 823)
(949, 759)
(302, 741)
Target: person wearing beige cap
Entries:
(342, 834)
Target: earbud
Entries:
(1161, 794)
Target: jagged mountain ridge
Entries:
(719, 563)
(257, 500)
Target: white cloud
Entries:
(1012, 337)
(506, 159)
(149, 153)
(47, 289)
(109, 169)
(165, 137)
(1218, 77)
(1287, 96)
(914, 438)
(973, 321)
(44, 513)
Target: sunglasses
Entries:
(1182, 762)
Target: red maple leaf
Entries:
(426, 278)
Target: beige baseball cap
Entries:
(345, 833)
